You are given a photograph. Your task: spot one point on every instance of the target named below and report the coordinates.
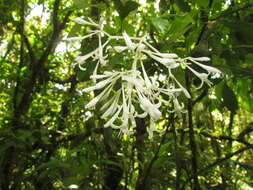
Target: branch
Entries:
(201, 96)
(229, 12)
(191, 136)
(36, 69)
(54, 37)
(246, 131)
(21, 58)
(205, 19)
(59, 81)
(223, 137)
(65, 20)
(219, 161)
(30, 51)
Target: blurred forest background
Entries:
(48, 140)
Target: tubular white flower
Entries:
(99, 85)
(128, 41)
(202, 76)
(177, 107)
(209, 69)
(134, 80)
(186, 93)
(137, 87)
(200, 58)
(113, 118)
(166, 55)
(111, 110)
(79, 38)
(148, 107)
(81, 59)
(146, 78)
(168, 62)
(152, 127)
(119, 49)
(96, 99)
(84, 22)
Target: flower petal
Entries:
(128, 41)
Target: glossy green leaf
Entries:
(161, 25)
(124, 9)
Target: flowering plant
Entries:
(139, 95)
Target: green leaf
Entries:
(128, 28)
(125, 9)
(74, 30)
(243, 90)
(180, 23)
(182, 6)
(241, 29)
(161, 25)
(82, 4)
(201, 3)
(229, 98)
(129, 7)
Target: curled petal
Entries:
(150, 108)
(81, 59)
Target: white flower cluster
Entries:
(140, 95)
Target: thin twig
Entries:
(219, 161)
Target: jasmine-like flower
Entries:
(209, 69)
(128, 41)
(202, 76)
(84, 22)
(128, 94)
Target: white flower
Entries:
(113, 107)
(146, 78)
(200, 58)
(79, 38)
(202, 76)
(148, 107)
(166, 55)
(119, 49)
(113, 118)
(104, 94)
(102, 59)
(209, 69)
(128, 41)
(81, 59)
(186, 93)
(169, 62)
(84, 22)
(177, 107)
(152, 127)
(135, 88)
